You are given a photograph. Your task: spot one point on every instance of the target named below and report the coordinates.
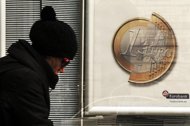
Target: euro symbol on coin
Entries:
(145, 48)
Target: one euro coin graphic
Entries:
(145, 48)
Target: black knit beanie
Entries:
(51, 37)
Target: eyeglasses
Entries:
(65, 62)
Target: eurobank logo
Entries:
(168, 95)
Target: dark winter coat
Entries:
(25, 78)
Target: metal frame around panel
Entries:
(110, 110)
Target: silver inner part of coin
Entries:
(144, 47)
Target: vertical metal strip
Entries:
(2, 27)
(82, 61)
(40, 5)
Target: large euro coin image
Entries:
(145, 48)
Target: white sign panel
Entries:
(110, 87)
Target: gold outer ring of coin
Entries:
(166, 61)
